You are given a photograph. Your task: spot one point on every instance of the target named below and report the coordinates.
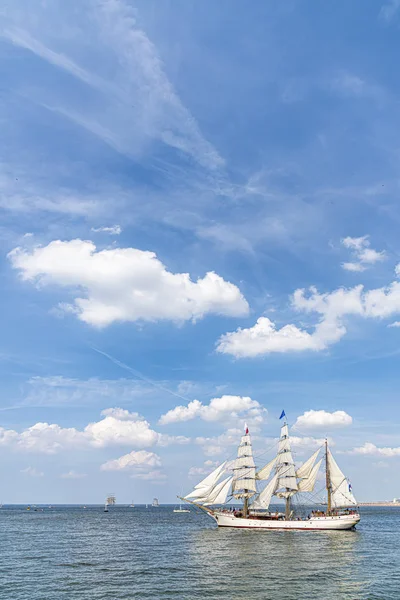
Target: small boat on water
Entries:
(284, 481)
(132, 505)
(181, 510)
(106, 506)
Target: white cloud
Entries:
(394, 324)
(197, 471)
(355, 267)
(209, 465)
(333, 308)
(389, 10)
(167, 440)
(47, 438)
(8, 437)
(381, 464)
(73, 475)
(370, 449)
(215, 446)
(126, 284)
(397, 270)
(41, 196)
(305, 443)
(264, 338)
(321, 419)
(141, 465)
(134, 460)
(156, 476)
(182, 413)
(57, 390)
(32, 472)
(118, 427)
(365, 255)
(356, 244)
(135, 103)
(113, 230)
(219, 409)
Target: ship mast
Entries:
(244, 478)
(285, 469)
(328, 479)
(287, 499)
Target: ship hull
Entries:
(328, 523)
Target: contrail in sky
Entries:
(139, 375)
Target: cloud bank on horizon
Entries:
(215, 210)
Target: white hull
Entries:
(334, 522)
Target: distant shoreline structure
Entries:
(380, 503)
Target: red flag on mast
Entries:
(246, 429)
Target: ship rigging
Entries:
(283, 481)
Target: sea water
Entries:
(80, 554)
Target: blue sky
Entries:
(199, 209)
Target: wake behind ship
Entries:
(284, 481)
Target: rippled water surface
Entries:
(72, 553)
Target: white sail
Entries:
(197, 493)
(244, 472)
(220, 493)
(242, 450)
(283, 444)
(284, 431)
(212, 478)
(264, 499)
(243, 487)
(305, 470)
(307, 485)
(244, 462)
(290, 483)
(284, 458)
(285, 468)
(206, 486)
(341, 494)
(266, 471)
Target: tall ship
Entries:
(155, 503)
(111, 500)
(279, 478)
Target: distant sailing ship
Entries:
(155, 503)
(132, 505)
(110, 501)
(284, 481)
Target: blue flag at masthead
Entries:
(283, 414)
